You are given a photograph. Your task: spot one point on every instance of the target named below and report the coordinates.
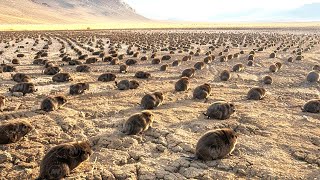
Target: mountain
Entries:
(65, 11)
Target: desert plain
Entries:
(277, 140)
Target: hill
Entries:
(63, 11)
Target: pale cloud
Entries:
(207, 10)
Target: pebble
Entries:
(17, 94)
(5, 157)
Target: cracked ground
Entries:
(276, 139)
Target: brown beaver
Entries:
(52, 70)
(62, 77)
(53, 103)
(188, 72)
(23, 88)
(151, 101)
(199, 65)
(78, 88)
(14, 131)
(62, 159)
(256, 93)
(142, 75)
(202, 92)
(267, 80)
(182, 84)
(220, 110)
(138, 123)
(83, 68)
(216, 144)
(238, 68)
(107, 77)
(126, 84)
(123, 68)
(312, 106)
(21, 77)
(225, 75)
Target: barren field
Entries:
(277, 140)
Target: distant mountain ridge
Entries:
(65, 11)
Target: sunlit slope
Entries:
(64, 12)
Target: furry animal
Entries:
(83, 68)
(202, 92)
(52, 70)
(188, 72)
(8, 68)
(238, 68)
(208, 60)
(182, 84)
(225, 75)
(126, 84)
(199, 65)
(78, 88)
(273, 68)
(62, 77)
(60, 160)
(23, 88)
(91, 60)
(312, 106)
(53, 103)
(142, 75)
(250, 63)
(151, 101)
(107, 77)
(20, 77)
(164, 67)
(74, 62)
(130, 62)
(176, 63)
(267, 80)
(114, 61)
(220, 110)
(14, 131)
(123, 68)
(138, 123)
(156, 61)
(256, 93)
(313, 76)
(316, 68)
(279, 65)
(216, 144)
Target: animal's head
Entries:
(83, 150)
(232, 108)
(149, 115)
(159, 95)
(231, 135)
(61, 99)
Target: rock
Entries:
(5, 157)
(17, 94)
(191, 172)
(107, 175)
(161, 148)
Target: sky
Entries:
(220, 10)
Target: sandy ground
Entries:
(277, 140)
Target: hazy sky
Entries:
(214, 10)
